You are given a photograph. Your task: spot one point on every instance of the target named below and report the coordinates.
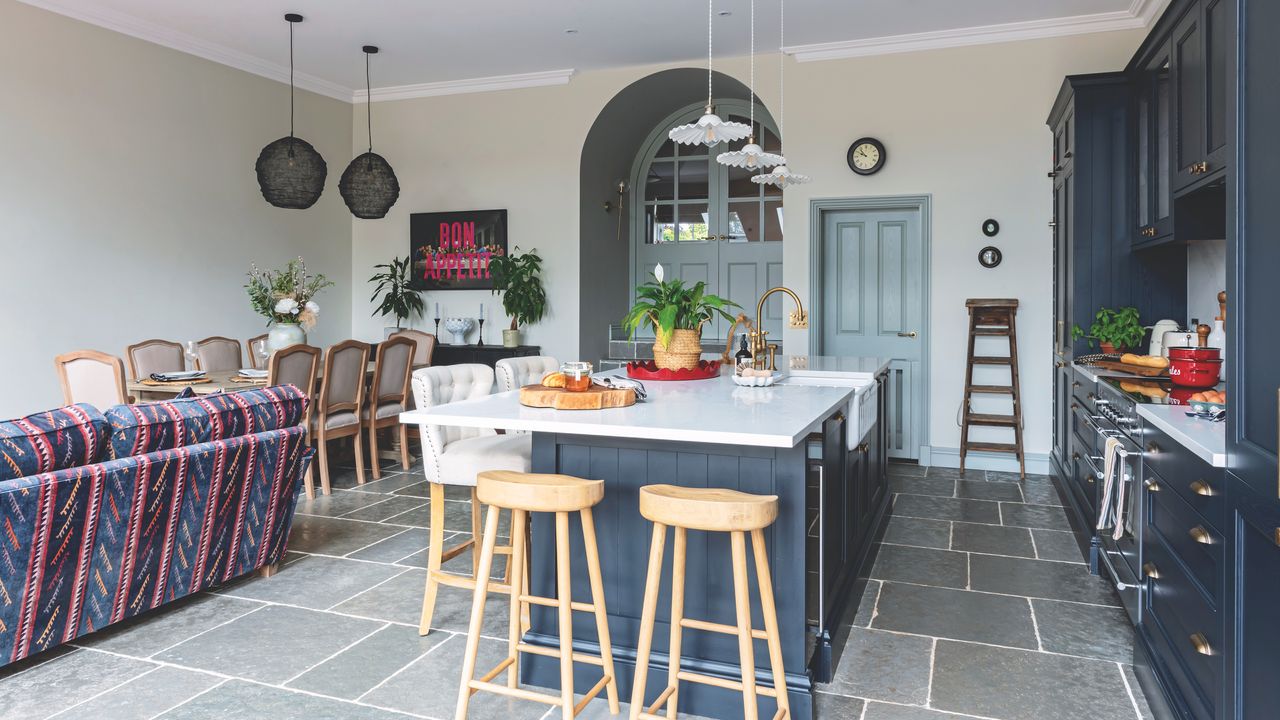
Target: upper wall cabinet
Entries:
(1153, 116)
(1200, 70)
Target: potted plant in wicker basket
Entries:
(676, 313)
(524, 299)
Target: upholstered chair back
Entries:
(155, 356)
(426, 345)
(218, 354)
(91, 377)
(445, 384)
(295, 365)
(515, 373)
(391, 377)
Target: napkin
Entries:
(252, 373)
(622, 383)
(177, 375)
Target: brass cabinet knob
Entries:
(1201, 487)
(1201, 644)
(1200, 535)
(864, 448)
(1150, 570)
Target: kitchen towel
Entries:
(1108, 509)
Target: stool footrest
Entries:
(552, 602)
(497, 670)
(555, 653)
(782, 714)
(519, 693)
(693, 624)
(467, 583)
(662, 699)
(735, 685)
(592, 693)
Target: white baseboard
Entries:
(1037, 463)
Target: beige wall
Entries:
(965, 126)
(129, 208)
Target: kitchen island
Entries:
(807, 440)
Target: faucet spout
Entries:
(797, 320)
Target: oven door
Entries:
(1119, 557)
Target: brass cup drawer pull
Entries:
(1151, 486)
(1150, 570)
(1201, 487)
(1200, 535)
(1201, 644)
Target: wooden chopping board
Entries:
(1142, 370)
(596, 398)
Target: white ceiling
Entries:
(435, 46)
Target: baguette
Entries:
(1151, 361)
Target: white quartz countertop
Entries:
(832, 366)
(710, 411)
(1206, 439)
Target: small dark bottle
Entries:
(743, 359)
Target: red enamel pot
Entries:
(1195, 373)
(1195, 353)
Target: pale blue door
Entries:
(873, 304)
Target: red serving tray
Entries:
(647, 370)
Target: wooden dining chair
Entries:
(254, 361)
(298, 365)
(155, 356)
(390, 389)
(339, 410)
(92, 377)
(426, 345)
(218, 354)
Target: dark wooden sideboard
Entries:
(482, 354)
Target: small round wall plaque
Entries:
(990, 256)
(990, 227)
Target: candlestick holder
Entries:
(480, 338)
(437, 329)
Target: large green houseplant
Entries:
(393, 286)
(519, 280)
(1115, 330)
(676, 314)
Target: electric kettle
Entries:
(1162, 330)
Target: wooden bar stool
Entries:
(523, 493)
(710, 510)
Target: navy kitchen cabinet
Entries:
(1254, 587)
(1153, 122)
(1202, 65)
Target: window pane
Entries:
(667, 150)
(773, 220)
(693, 179)
(659, 223)
(660, 183)
(768, 140)
(740, 185)
(693, 222)
(744, 221)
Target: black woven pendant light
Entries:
(369, 185)
(290, 172)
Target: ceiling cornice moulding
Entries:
(470, 85)
(1141, 13)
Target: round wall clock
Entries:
(990, 256)
(990, 227)
(866, 156)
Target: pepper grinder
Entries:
(1203, 331)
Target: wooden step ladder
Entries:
(992, 318)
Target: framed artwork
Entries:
(451, 250)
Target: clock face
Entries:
(866, 156)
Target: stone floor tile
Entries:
(1057, 545)
(390, 506)
(992, 539)
(883, 666)
(1092, 631)
(886, 711)
(1040, 494)
(1039, 578)
(983, 490)
(400, 601)
(143, 697)
(926, 566)
(956, 614)
(942, 487)
(391, 483)
(940, 508)
(168, 625)
(363, 666)
(316, 582)
(897, 469)
(240, 700)
(1022, 685)
(335, 536)
(1045, 517)
(1013, 477)
(337, 503)
(828, 706)
(867, 605)
(64, 681)
(952, 473)
(918, 531)
(1144, 708)
(269, 645)
(396, 547)
(420, 489)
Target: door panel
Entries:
(872, 302)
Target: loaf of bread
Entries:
(1151, 361)
(553, 380)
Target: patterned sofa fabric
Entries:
(48, 441)
(149, 427)
(85, 547)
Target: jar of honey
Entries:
(577, 376)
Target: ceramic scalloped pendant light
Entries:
(290, 172)
(751, 155)
(709, 130)
(781, 175)
(369, 186)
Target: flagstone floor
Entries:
(978, 606)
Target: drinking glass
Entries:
(260, 351)
(192, 355)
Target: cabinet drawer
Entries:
(1185, 629)
(1082, 388)
(1195, 543)
(1197, 482)
(1084, 479)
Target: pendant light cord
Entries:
(752, 89)
(782, 70)
(290, 79)
(709, 14)
(368, 101)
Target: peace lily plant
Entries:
(676, 314)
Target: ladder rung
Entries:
(719, 628)
(992, 447)
(991, 360)
(992, 389)
(997, 420)
(991, 331)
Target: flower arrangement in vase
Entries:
(676, 313)
(286, 299)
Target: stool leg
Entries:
(677, 614)
(475, 533)
(435, 550)
(516, 565)
(653, 580)
(774, 640)
(742, 600)
(564, 596)
(597, 600)
(477, 613)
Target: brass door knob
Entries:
(1201, 644)
(1200, 535)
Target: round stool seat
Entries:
(537, 493)
(710, 509)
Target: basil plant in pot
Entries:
(676, 314)
(518, 278)
(1115, 330)
(398, 298)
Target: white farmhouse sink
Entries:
(862, 412)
